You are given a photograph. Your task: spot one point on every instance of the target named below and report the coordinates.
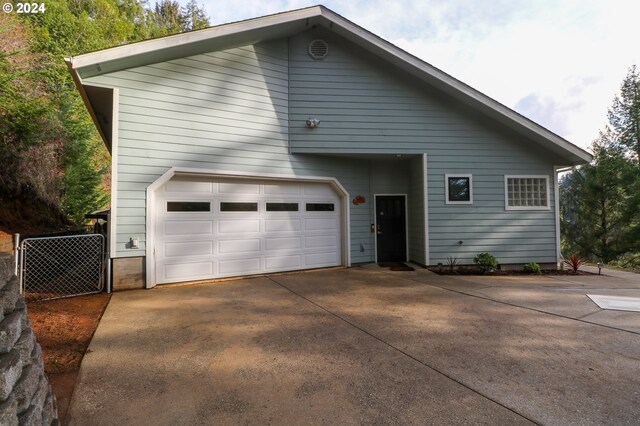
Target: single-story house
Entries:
(301, 140)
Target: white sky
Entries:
(558, 62)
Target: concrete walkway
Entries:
(361, 345)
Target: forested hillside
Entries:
(54, 167)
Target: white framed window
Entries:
(458, 188)
(526, 192)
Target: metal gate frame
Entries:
(61, 271)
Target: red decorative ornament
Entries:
(359, 199)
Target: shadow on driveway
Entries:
(354, 346)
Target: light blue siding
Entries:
(366, 107)
(244, 109)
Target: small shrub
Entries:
(574, 262)
(452, 262)
(486, 261)
(532, 268)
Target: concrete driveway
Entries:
(365, 345)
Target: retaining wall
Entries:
(25, 394)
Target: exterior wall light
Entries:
(312, 123)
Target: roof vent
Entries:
(318, 49)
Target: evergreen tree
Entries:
(600, 202)
(624, 115)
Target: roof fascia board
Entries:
(179, 40)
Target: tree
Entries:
(624, 115)
(49, 147)
(600, 202)
(594, 199)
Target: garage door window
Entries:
(238, 207)
(188, 206)
(320, 207)
(282, 207)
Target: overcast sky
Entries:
(558, 62)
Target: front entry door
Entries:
(391, 228)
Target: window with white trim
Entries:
(458, 188)
(529, 192)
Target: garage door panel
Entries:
(239, 246)
(183, 227)
(321, 259)
(238, 188)
(282, 243)
(228, 226)
(182, 186)
(232, 238)
(282, 225)
(239, 266)
(321, 241)
(315, 224)
(188, 248)
(282, 189)
(277, 263)
(187, 271)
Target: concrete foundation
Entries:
(128, 273)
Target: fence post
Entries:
(16, 248)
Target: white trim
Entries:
(506, 193)
(177, 40)
(115, 109)
(151, 198)
(375, 224)
(426, 209)
(446, 187)
(556, 198)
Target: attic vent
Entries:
(318, 49)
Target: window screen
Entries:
(188, 206)
(238, 207)
(527, 192)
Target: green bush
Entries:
(486, 261)
(532, 267)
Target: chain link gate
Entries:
(56, 267)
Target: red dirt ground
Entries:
(64, 328)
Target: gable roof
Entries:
(286, 24)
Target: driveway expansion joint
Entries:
(397, 349)
(480, 296)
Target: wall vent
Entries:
(318, 49)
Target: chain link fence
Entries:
(56, 267)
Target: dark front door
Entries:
(391, 228)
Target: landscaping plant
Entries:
(574, 261)
(486, 261)
(452, 262)
(532, 268)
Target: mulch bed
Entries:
(64, 328)
(477, 271)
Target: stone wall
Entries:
(25, 394)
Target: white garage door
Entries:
(226, 227)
